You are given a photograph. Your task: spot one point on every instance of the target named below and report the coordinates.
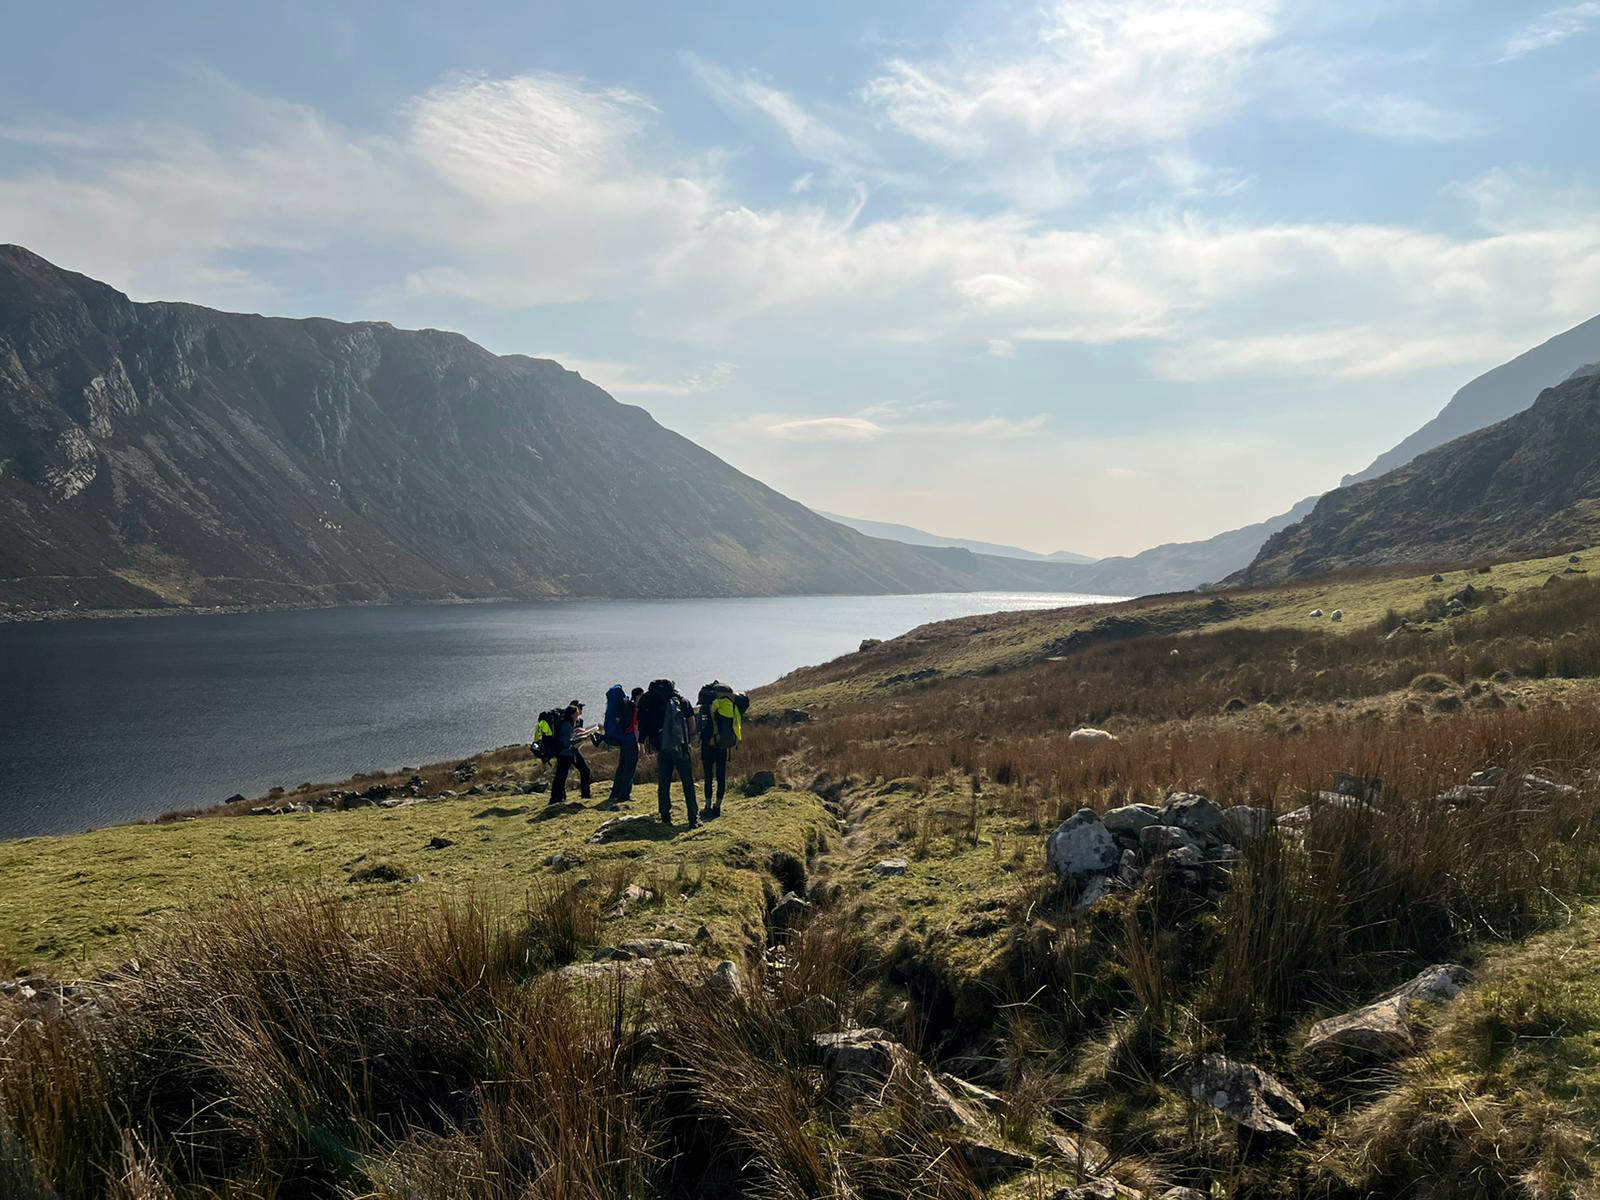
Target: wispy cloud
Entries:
(1551, 29)
(872, 424)
(622, 379)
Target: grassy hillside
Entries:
(349, 1034)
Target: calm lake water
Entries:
(120, 720)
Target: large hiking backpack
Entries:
(616, 721)
(722, 714)
(547, 734)
(653, 709)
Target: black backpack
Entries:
(653, 709)
(545, 744)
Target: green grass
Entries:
(82, 901)
(1509, 1093)
(999, 642)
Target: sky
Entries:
(1083, 274)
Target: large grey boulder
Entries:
(1195, 815)
(1246, 1095)
(1081, 848)
(1128, 820)
(1383, 1030)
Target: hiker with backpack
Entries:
(621, 729)
(667, 723)
(721, 714)
(569, 731)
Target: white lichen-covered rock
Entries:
(1246, 1095)
(1383, 1030)
(1090, 737)
(1096, 889)
(1082, 847)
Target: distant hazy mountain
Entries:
(169, 455)
(1497, 394)
(1530, 484)
(912, 536)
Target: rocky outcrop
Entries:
(1527, 485)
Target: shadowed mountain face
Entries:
(165, 454)
(1497, 394)
(1529, 484)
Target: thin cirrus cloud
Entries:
(1551, 29)
(882, 421)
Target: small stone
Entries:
(891, 866)
(1156, 840)
(1195, 815)
(440, 843)
(1246, 1095)
(760, 783)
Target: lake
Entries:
(105, 721)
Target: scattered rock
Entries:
(760, 783)
(796, 716)
(869, 644)
(891, 866)
(1195, 815)
(1382, 1030)
(1128, 820)
(1081, 847)
(990, 1164)
(1183, 1193)
(791, 909)
(655, 948)
(1095, 890)
(1362, 787)
(1246, 1095)
(1336, 615)
(1316, 612)
(1090, 737)
(559, 862)
(967, 1091)
(440, 843)
(1236, 704)
(619, 829)
(724, 983)
(1438, 579)
(1156, 840)
(1247, 822)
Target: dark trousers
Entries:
(565, 763)
(714, 766)
(627, 764)
(667, 765)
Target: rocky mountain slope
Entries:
(156, 455)
(1529, 484)
(1497, 394)
(1491, 397)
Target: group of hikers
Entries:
(661, 720)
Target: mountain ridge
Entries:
(166, 455)
(1526, 485)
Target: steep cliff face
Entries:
(1529, 484)
(166, 454)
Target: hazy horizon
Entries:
(1087, 275)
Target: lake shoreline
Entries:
(69, 615)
